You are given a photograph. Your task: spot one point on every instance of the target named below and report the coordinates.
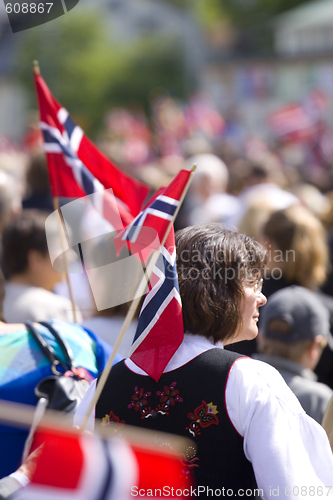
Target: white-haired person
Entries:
(207, 199)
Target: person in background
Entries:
(294, 329)
(10, 205)
(207, 199)
(107, 325)
(261, 186)
(298, 254)
(23, 365)
(38, 193)
(31, 277)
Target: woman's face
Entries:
(252, 301)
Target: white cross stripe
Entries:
(167, 199)
(170, 258)
(158, 213)
(76, 138)
(62, 115)
(161, 278)
(52, 148)
(142, 216)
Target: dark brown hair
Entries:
(212, 263)
(24, 233)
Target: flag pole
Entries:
(36, 67)
(36, 70)
(61, 235)
(132, 310)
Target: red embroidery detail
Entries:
(203, 416)
(113, 421)
(168, 398)
(139, 402)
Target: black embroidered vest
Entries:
(189, 401)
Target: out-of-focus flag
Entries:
(72, 466)
(77, 168)
(293, 124)
(160, 328)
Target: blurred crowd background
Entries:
(242, 88)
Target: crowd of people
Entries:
(255, 405)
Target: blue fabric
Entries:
(23, 365)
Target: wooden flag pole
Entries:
(56, 206)
(131, 312)
(36, 68)
(63, 246)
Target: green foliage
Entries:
(247, 12)
(88, 72)
(157, 61)
(253, 20)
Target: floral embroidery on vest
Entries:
(113, 421)
(203, 416)
(168, 398)
(140, 402)
(189, 460)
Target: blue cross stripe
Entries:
(133, 226)
(50, 139)
(163, 206)
(87, 179)
(148, 313)
(69, 126)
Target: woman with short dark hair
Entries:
(213, 265)
(252, 437)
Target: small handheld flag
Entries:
(156, 216)
(151, 264)
(160, 327)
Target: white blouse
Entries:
(289, 451)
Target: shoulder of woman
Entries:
(262, 383)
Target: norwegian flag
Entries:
(73, 466)
(146, 231)
(293, 124)
(77, 168)
(160, 328)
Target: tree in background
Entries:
(89, 73)
(251, 20)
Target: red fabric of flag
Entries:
(56, 124)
